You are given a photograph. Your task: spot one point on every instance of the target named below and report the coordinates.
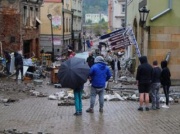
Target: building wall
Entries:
(77, 24)
(163, 35)
(13, 29)
(55, 8)
(163, 40)
(171, 18)
(118, 14)
(95, 18)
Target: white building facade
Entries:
(95, 18)
(116, 14)
(77, 24)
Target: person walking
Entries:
(78, 100)
(155, 86)
(99, 74)
(90, 59)
(108, 57)
(165, 81)
(18, 65)
(144, 77)
(8, 62)
(115, 65)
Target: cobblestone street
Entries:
(120, 117)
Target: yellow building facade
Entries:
(161, 34)
(61, 30)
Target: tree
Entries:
(89, 21)
(102, 20)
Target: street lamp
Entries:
(50, 18)
(143, 15)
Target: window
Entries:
(31, 16)
(122, 21)
(123, 8)
(66, 24)
(37, 12)
(69, 25)
(25, 15)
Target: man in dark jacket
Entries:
(18, 65)
(155, 86)
(99, 74)
(8, 62)
(144, 77)
(165, 81)
(90, 59)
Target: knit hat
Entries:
(99, 59)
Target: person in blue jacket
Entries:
(99, 74)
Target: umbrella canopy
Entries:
(73, 73)
(83, 55)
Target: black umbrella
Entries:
(73, 73)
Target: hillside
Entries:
(95, 6)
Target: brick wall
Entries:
(162, 41)
(10, 30)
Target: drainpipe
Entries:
(164, 12)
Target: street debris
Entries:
(15, 131)
(113, 97)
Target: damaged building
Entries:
(20, 26)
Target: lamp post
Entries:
(50, 18)
(143, 15)
(143, 12)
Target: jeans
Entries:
(115, 75)
(155, 94)
(78, 100)
(166, 92)
(94, 92)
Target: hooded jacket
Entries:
(165, 74)
(99, 73)
(144, 71)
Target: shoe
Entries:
(157, 107)
(165, 106)
(77, 114)
(90, 110)
(147, 108)
(140, 109)
(101, 110)
(153, 108)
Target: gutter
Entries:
(164, 12)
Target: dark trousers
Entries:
(8, 68)
(17, 72)
(166, 92)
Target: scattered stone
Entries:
(66, 103)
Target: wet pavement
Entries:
(38, 114)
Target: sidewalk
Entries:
(120, 117)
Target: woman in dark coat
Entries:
(165, 81)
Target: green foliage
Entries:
(100, 28)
